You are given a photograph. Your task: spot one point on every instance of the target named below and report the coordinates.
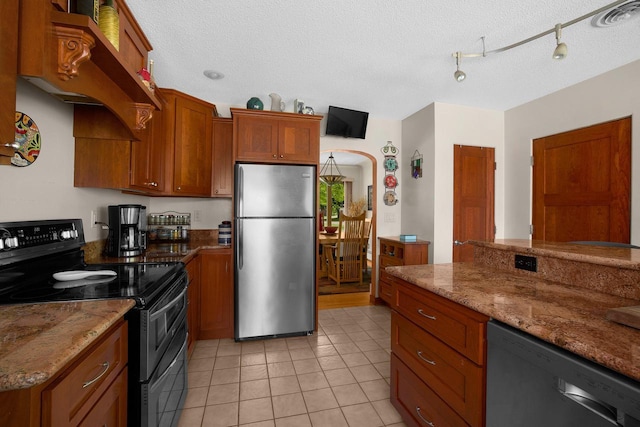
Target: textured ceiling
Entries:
(389, 58)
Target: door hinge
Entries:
(531, 229)
(495, 166)
(532, 161)
(495, 230)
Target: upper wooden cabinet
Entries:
(188, 127)
(71, 58)
(8, 72)
(267, 136)
(222, 157)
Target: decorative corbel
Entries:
(74, 48)
(144, 113)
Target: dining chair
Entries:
(365, 243)
(345, 257)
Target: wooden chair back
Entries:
(346, 262)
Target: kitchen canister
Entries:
(224, 233)
(109, 23)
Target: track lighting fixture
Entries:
(459, 75)
(560, 51)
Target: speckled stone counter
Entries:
(571, 316)
(38, 340)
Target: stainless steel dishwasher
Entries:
(533, 383)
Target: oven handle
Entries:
(168, 306)
(172, 364)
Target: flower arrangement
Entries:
(357, 207)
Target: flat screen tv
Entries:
(346, 123)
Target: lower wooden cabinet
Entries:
(216, 294)
(193, 301)
(90, 391)
(93, 391)
(438, 365)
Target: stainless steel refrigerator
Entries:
(274, 247)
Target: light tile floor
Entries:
(339, 377)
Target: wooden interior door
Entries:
(582, 184)
(473, 198)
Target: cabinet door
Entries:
(192, 149)
(111, 409)
(216, 294)
(148, 157)
(222, 157)
(256, 138)
(8, 73)
(299, 141)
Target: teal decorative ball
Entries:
(255, 104)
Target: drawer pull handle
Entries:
(430, 362)
(422, 313)
(105, 365)
(429, 423)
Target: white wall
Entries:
(434, 131)
(610, 96)
(44, 190)
(379, 131)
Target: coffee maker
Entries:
(127, 230)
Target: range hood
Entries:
(67, 55)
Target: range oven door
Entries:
(159, 323)
(163, 395)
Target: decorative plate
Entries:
(27, 141)
(390, 198)
(390, 164)
(390, 181)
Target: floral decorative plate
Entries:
(27, 141)
(390, 198)
(390, 164)
(390, 181)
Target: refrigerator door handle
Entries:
(239, 243)
(240, 189)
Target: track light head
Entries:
(560, 52)
(459, 75)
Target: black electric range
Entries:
(31, 252)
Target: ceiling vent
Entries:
(616, 15)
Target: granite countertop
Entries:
(571, 317)
(38, 340)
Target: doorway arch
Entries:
(374, 204)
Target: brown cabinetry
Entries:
(439, 352)
(216, 294)
(193, 298)
(267, 136)
(222, 157)
(76, 396)
(393, 252)
(90, 390)
(188, 129)
(8, 72)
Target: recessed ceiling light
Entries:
(213, 75)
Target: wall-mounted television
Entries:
(346, 123)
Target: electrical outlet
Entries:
(529, 263)
(94, 219)
(197, 216)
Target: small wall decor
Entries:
(390, 167)
(416, 165)
(370, 197)
(27, 141)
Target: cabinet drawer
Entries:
(70, 398)
(457, 326)
(386, 261)
(416, 402)
(458, 381)
(386, 288)
(111, 410)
